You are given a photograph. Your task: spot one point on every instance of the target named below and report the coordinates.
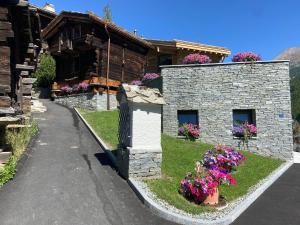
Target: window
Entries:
(243, 115)
(187, 116)
(165, 59)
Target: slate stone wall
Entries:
(215, 90)
(87, 101)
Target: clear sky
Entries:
(266, 27)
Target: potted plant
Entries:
(211, 172)
(203, 187)
(196, 58)
(189, 131)
(246, 57)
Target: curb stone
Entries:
(168, 214)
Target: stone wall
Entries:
(87, 101)
(215, 90)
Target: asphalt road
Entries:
(279, 205)
(67, 180)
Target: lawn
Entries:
(105, 123)
(179, 157)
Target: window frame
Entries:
(251, 114)
(188, 112)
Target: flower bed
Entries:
(82, 87)
(211, 172)
(179, 157)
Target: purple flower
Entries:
(67, 89)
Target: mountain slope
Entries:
(293, 54)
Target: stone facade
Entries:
(215, 90)
(87, 101)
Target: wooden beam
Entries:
(5, 101)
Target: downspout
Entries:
(107, 67)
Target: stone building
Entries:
(213, 95)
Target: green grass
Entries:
(105, 123)
(17, 142)
(179, 157)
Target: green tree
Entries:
(107, 15)
(45, 74)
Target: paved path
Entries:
(279, 205)
(67, 180)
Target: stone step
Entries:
(4, 157)
(17, 126)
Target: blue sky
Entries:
(264, 26)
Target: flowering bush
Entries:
(66, 89)
(196, 58)
(198, 187)
(222, 158)
(190, 131)
(245, 57)
(244, 130)
(150, 76)
(136, 82)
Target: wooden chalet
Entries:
(85, 46)
(173, 52)
(20, 44)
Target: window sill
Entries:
(239, 138)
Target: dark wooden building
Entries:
(85, 45)
(20, 44)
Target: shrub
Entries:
(196, 58)
(45, 74)
(246, 57)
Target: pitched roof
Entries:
(89, 16)
(190, 45)
(142, 94)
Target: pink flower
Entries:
(150, 76)
(196, 58)
(246, 56)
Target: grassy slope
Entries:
(18, 142)
(105, 123)
(179, 157)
